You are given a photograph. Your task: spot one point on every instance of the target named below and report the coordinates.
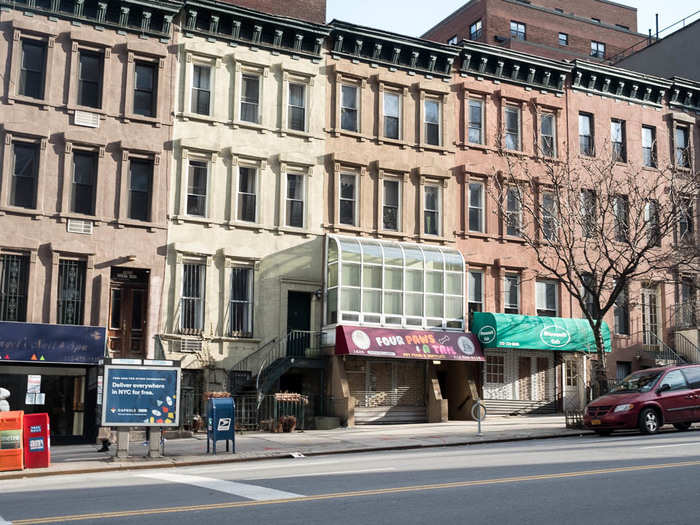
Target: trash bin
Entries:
(11, 457)
(220, 422)
(37, 443)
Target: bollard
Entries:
(154, 450)
(479, 413)
(123, 442)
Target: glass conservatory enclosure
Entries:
(393, 284)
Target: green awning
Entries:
(536, 333)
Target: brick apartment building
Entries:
(559, 29)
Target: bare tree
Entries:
(596, 224)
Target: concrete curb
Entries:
(216, 460)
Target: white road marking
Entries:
(696, 443)
(243, 490)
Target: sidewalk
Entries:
(263, 445)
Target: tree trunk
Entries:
(600, 375)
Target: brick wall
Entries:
(311, 10)
(607, 12)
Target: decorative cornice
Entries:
(237, 25)
(145, 17)
(416, 56)
(685, 94)
(512, 67)
(619, 83)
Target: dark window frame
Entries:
(14, 286)
(79, 188)
(85, 85)
(72, 278)
(25, 73)
(146, 192)
(28, 203)
(151, 93)
(241, 302)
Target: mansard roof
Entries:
(685, 94)
(619, 83)
(146, 17)
(513, 67)
(238, 25)
(391, 50)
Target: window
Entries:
(517, 30)
(681, 147)
(392, 111)
(295, 200)
(495, 369)
(89, 79)
(432, 122)
(686, 221)
(476, 121)
(348, 196)
(247, 184)
(571, 373)
(585, 134)
(511, 294)
(84, 180)
(432, 210)
(692, 374)
(547, 135)
(475, 290)
(651, 219)
(71, 291)
(201, 89)
(623, 369)
(563, 39)
(197, 188)
(476, 207)
(597, 49)
(140, 187)
(14, 283)
(621, 312)
(546, 298)
(453, 41)
(617, 140)
(145, 89)
(250, 98)
(390, 212)
(513, 212)
(348, 108)
(32, 69)
(589, 212)
(25, 172)
(649, 146)
(675, 379)
(297, 107)
(549, 216)
(512, 118)
(241, 302)
(621, 208)
(588, 285)
(475, 30)
(192, 298)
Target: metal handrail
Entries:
(666, 353)
(687, 349)
(683, 315)
(243, 363)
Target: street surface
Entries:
(621, 479)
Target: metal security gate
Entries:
(387, 391)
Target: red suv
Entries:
(647, 400)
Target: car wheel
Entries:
(649, 421)
(682, 426)
(603, 432)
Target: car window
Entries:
(675, 379)
(692, 374)
(641, 381)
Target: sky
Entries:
(414, 17)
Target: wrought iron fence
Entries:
(263, 412)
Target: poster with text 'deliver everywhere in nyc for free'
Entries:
(141, 396)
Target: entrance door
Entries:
(572, 385)
(299, 322)
(128, 302)
(525, 377)
(650, 316)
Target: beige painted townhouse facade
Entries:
(85, 117)
(246, 188)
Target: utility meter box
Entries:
(220, 422)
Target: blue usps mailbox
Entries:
(220, 422)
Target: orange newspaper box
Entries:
(36, 442)
(11, 456)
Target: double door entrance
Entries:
(128, 302)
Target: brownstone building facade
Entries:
(560, 29)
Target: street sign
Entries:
(141, 396)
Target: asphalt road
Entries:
(582, 480)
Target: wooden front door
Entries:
(128, 302)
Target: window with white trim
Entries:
(349, 107)
(250, 98)
(476, 121)
(296, 117)
(681, 146)
(392, 115)
(432, 209)
(546, 298)
(295, 200)
(514, 212)
(549, 216)
(192, 297)
(511, 293)
(512, 127)
(518, 30)
(391, 205)
(617, 140)
(686, 221)
(347, 199)
(649, 146)
(201, 89)
(432, 110)
(475, 30)
(548, 134)
(597, 49)
(197, 183)
(241, 302)
(495, 369)
(589, 212)
(475, 293)
(247, 193)
(476, 206)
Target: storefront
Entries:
(535, 364)
(392, 375)
(53, 369)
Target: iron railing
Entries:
(686, 348)
(263, 412)
(683, 316)
(660, 352)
